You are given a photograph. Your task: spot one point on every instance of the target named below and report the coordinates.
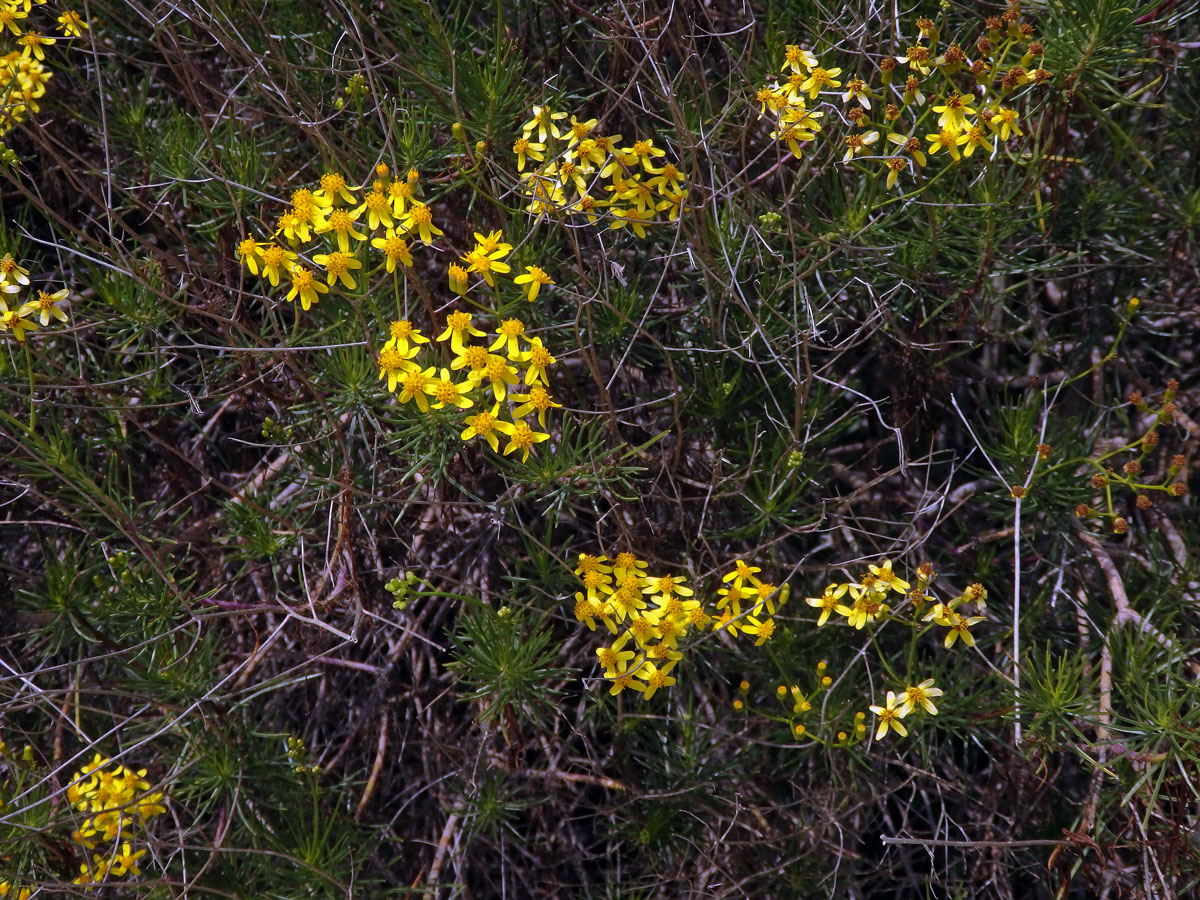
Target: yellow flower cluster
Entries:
(23, 75)
(743, 584)
(583, 172)
(117, 802)
(653, 613)
(27, 316)
(486, 259)
(343, 219)
(333, 215)
(944, 97)
(864, 601)
(515, 376)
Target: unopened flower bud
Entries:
(1083, 511)
(1143, 502)
(1133, 467)
(1018, 492)
(1177, 489)
(1120, 525)
(1043, 451)
(1177, 462)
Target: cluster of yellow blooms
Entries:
(583, 172)
(390, 210)
(117, 802)
(955, 103)
(389, 215)
(27, 316)
(868, 596)
(23, 75)
(656, 612)
(516, 376)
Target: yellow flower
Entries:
(483, 424)
(799, 60)
(306, 287)
(341, 223)
(654, 677)
(634, 218)
(338, 267)
(378, 208)
(11, 320)
(400, 194)
(249, 251)
(544, 122)
(458, 325)
(31, 44)
(332, 191)
(520, 437)
(395, 249)
(446, 392)
(45, 306)
(510, 331)
(420, 218)
(415, 384)
(976, 137)
(580, 130)
(946, 140)
(493, 244)
(615, 659)
(457, 276)
(884, 575)
(486, 264)
(959, 626)
(857, 89)
(497, 372)
(889, 717)
(126, 861)
(919, 695)
(12, 272)
(857, 143)
(9, 15)
(828, 603)
(275, 261)
(954, 113)
(763, 629)
(911, 145)
(819, 79)
(533, 279)
(1004, 123)
(393, 364)
(537, 400)
(667, 586)
(70, 23)
(536, 359)
(400, 333)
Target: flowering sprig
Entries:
(651, 614)
(321, 240)
(927, 95)
(502, 388)
(23, 73)
(582, 172)
(863, 602)
(118, 804)
(35, 312)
